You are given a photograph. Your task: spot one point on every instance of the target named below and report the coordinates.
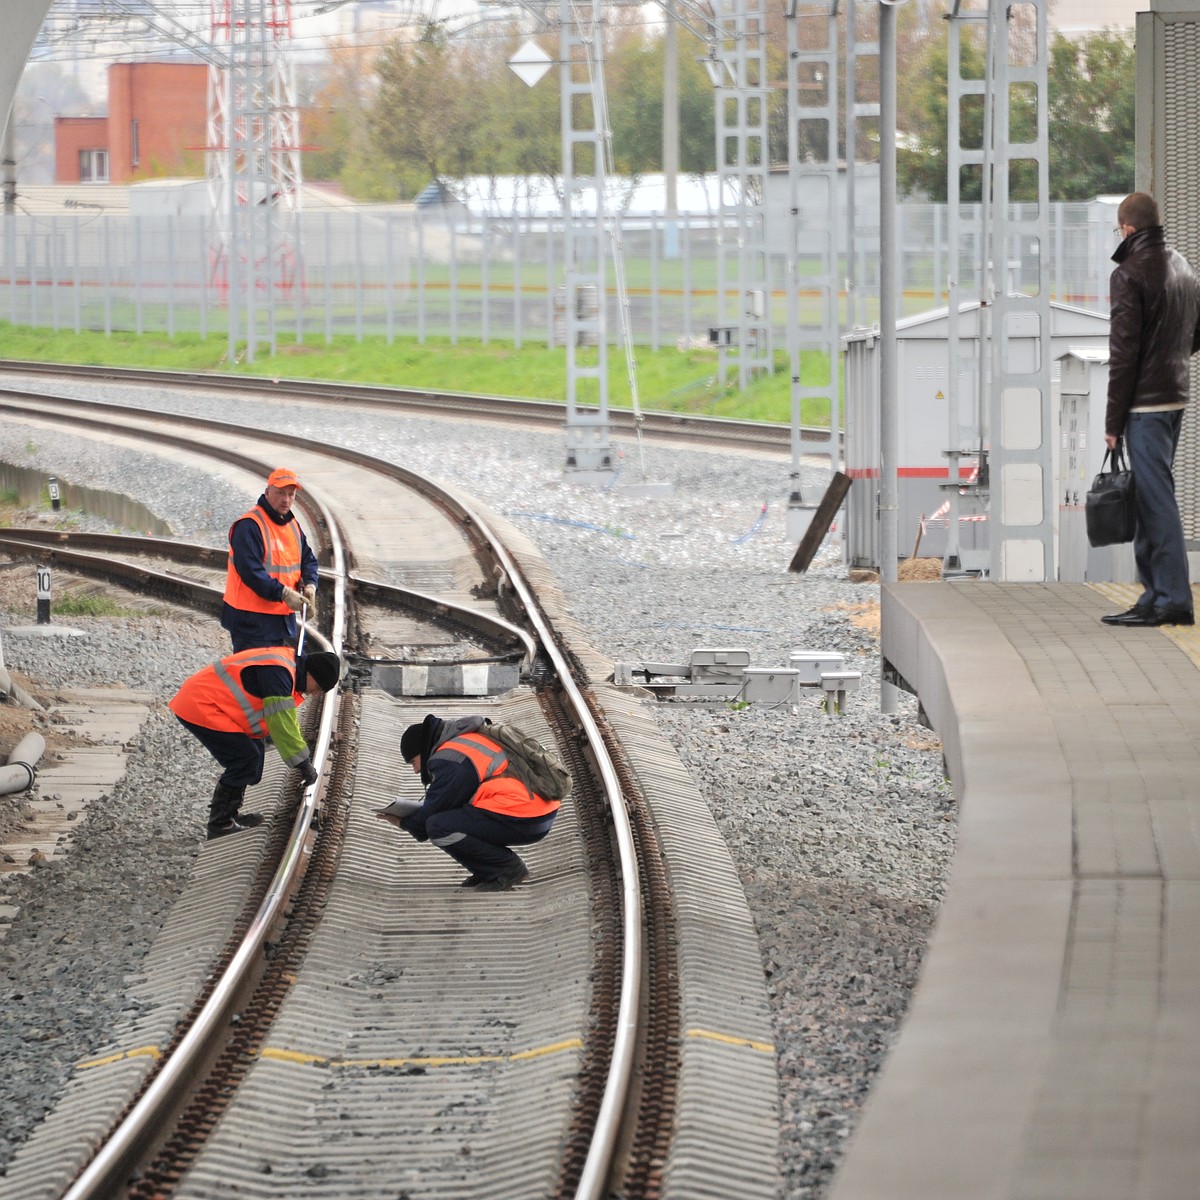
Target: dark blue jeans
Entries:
(480, 840)
(241, 756)
(1158, 546)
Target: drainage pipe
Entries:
(21, 770)
(9, 690)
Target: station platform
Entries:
(1052, 1047)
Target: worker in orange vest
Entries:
(232, 706)
(471, 809)
(271, 573)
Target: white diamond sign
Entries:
(530, 62)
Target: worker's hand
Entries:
(292, 599)
(310, 596)
(308, 773)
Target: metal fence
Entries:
(449, 275)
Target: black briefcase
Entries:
(1111, 503)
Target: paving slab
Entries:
(104, 720)
(1052, 1047)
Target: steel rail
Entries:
(127, 1141)
(463, 614)
(598, 1164)
(88, 553)
(652, 423)
(593, 1178)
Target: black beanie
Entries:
(410, 742)
(422, 740)
(323, 668)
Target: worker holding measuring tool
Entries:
(233, 706)
(272, 573)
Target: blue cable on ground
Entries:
(617, 533)
(762, 517)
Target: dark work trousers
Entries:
(242, 757)
(480, 840)
(1158, 546)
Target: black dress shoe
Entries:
(1174, 616)
(1139, 614)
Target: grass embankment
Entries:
(669, 380)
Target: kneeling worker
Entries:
(234, 705)
(472, 809)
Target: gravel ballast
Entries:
(841, 826)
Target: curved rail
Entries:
(168, 1083)
(128, 1139)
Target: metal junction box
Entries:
(928, 429)
(1083, 397)
(770, 685)
(809, 664)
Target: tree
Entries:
(1092, 85)
(429, 111)
(336, 99)
(634, 85)
(1090, 115)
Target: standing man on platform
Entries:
(272, 572)
(1154, 330)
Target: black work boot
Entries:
(222, 811)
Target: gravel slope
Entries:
(842, 827)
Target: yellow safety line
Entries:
(140, 1052)
(731, 1040)
(296, 1056)
(1186, 637)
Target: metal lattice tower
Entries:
(253, 166)
(1016, 417)
(965, 284)
(739, 67)
(812, 331)
(584, 238)
(862, 243)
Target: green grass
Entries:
(669, 380)
(87, 604)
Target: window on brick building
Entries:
(135, 154)
(93, 166)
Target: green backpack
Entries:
(539, 769)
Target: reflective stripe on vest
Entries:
(497, 792)
(281, 560)
(216, 691)
(487, 757)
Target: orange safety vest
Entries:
(214, 698)
(497, 792)
(281, 560)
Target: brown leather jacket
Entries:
(1154, 329)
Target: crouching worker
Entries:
(474, 808)
(232, 706)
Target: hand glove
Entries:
(308, 773)
(292, 599)
(310, 595)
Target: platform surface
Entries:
(1052, 1047)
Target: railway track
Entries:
(661, 426)
(574, 989)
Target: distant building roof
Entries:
(50, 199)
(538, 196)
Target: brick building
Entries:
(157, 125)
